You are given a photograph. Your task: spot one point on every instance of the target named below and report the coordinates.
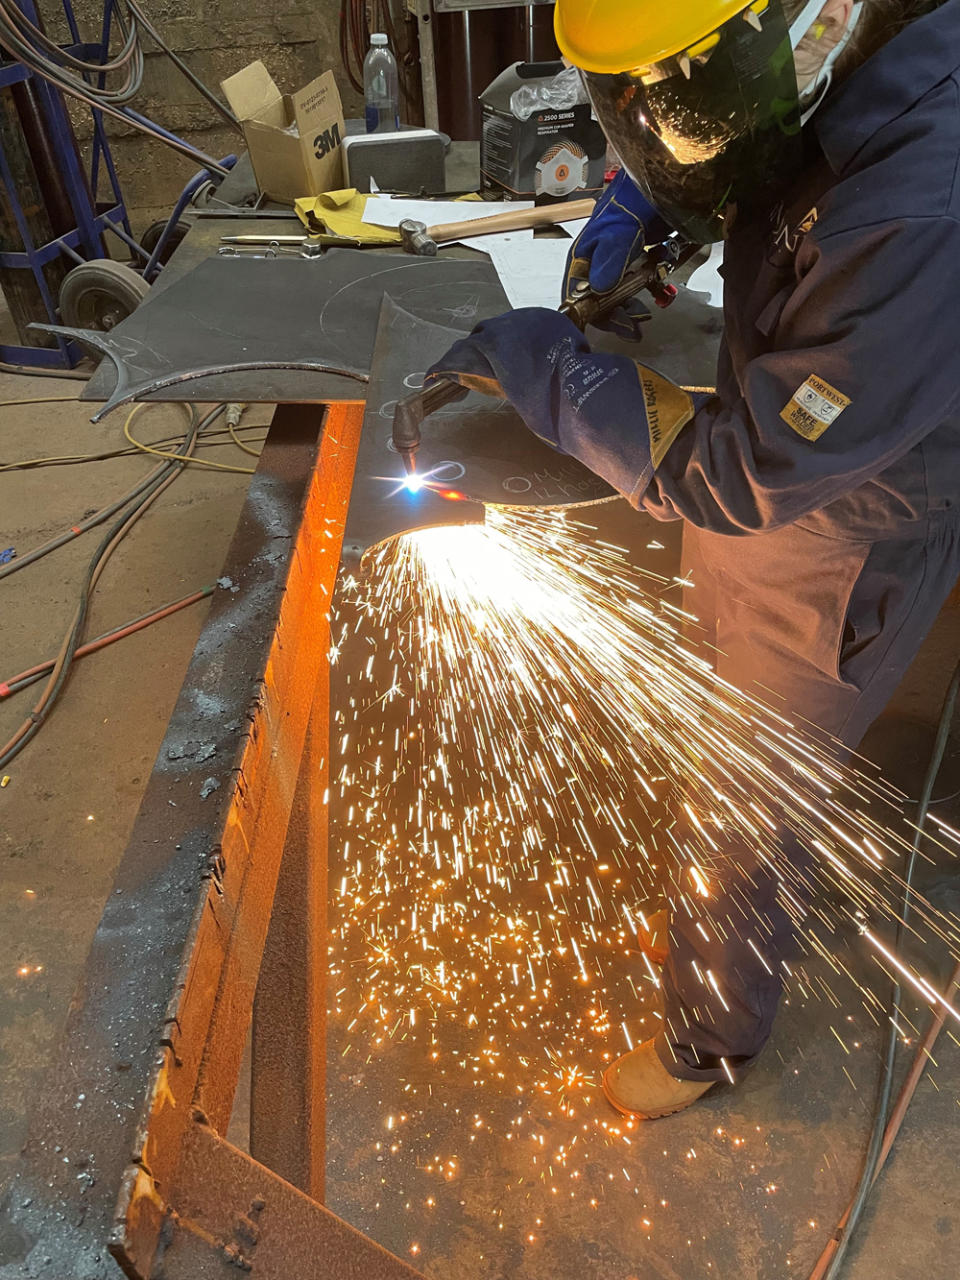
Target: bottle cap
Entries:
(378, 38)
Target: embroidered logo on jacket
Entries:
(814, 406)
(786, 238)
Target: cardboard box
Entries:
(552, 156)
(294, 140)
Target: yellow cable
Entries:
(70, 457)
(178, 457)
(254, 453)
(87, 457)
(42, 400)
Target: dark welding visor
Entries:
(715, 126)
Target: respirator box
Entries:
(540, 140)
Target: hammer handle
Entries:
(515, 220)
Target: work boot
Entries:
(639, 1085)
(653, 936)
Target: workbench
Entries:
(680, 342)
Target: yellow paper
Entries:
(341, 214)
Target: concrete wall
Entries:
(295, 39)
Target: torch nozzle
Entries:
(409, 415)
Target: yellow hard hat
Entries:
(612, 36)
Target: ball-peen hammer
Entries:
(417, 237)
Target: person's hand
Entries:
(589, 404)
(621, 225)
(511, 357)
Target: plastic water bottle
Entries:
(381, 87)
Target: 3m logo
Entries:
(326, 142)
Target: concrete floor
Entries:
(64, 820)
(70, 803)
(464, 1176)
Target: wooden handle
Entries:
(515, 220)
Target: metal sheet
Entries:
(288, 1059)
(233, 314)
(478, 449)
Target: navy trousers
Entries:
(829, 625)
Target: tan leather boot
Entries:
(639, 1085)
(653, 936)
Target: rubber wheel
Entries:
(151, 238)
(99, 294)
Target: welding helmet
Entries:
(698, 97)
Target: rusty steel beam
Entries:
(234, 1216)
(289, 1050)
(112, 1177)
(209, 1013)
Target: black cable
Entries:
(72, 75)
(182, 67)
(31, 44)
(71, 642)
(889, 1064)
(33, 35)
(104, 513)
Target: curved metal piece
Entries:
(237, 314)
(127, 390)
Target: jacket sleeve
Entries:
(865, 362)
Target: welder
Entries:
(820, 483)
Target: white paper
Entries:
(531, 273)
(390, 213)
(486, 244)
(574, 228)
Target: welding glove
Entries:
(621, 225)
(617, 417)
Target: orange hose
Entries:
(108, 637)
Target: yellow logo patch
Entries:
(669, 409)
(814, 407)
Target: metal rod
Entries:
(897, 1116)
(428, 65)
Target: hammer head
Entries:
(413, 236)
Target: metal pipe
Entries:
(897, 1116)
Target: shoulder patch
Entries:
(813, 407)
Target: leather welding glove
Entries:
(616, 416)
(621, 225)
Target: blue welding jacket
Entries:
(852, 283)
(833, 440)
(838, 386)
